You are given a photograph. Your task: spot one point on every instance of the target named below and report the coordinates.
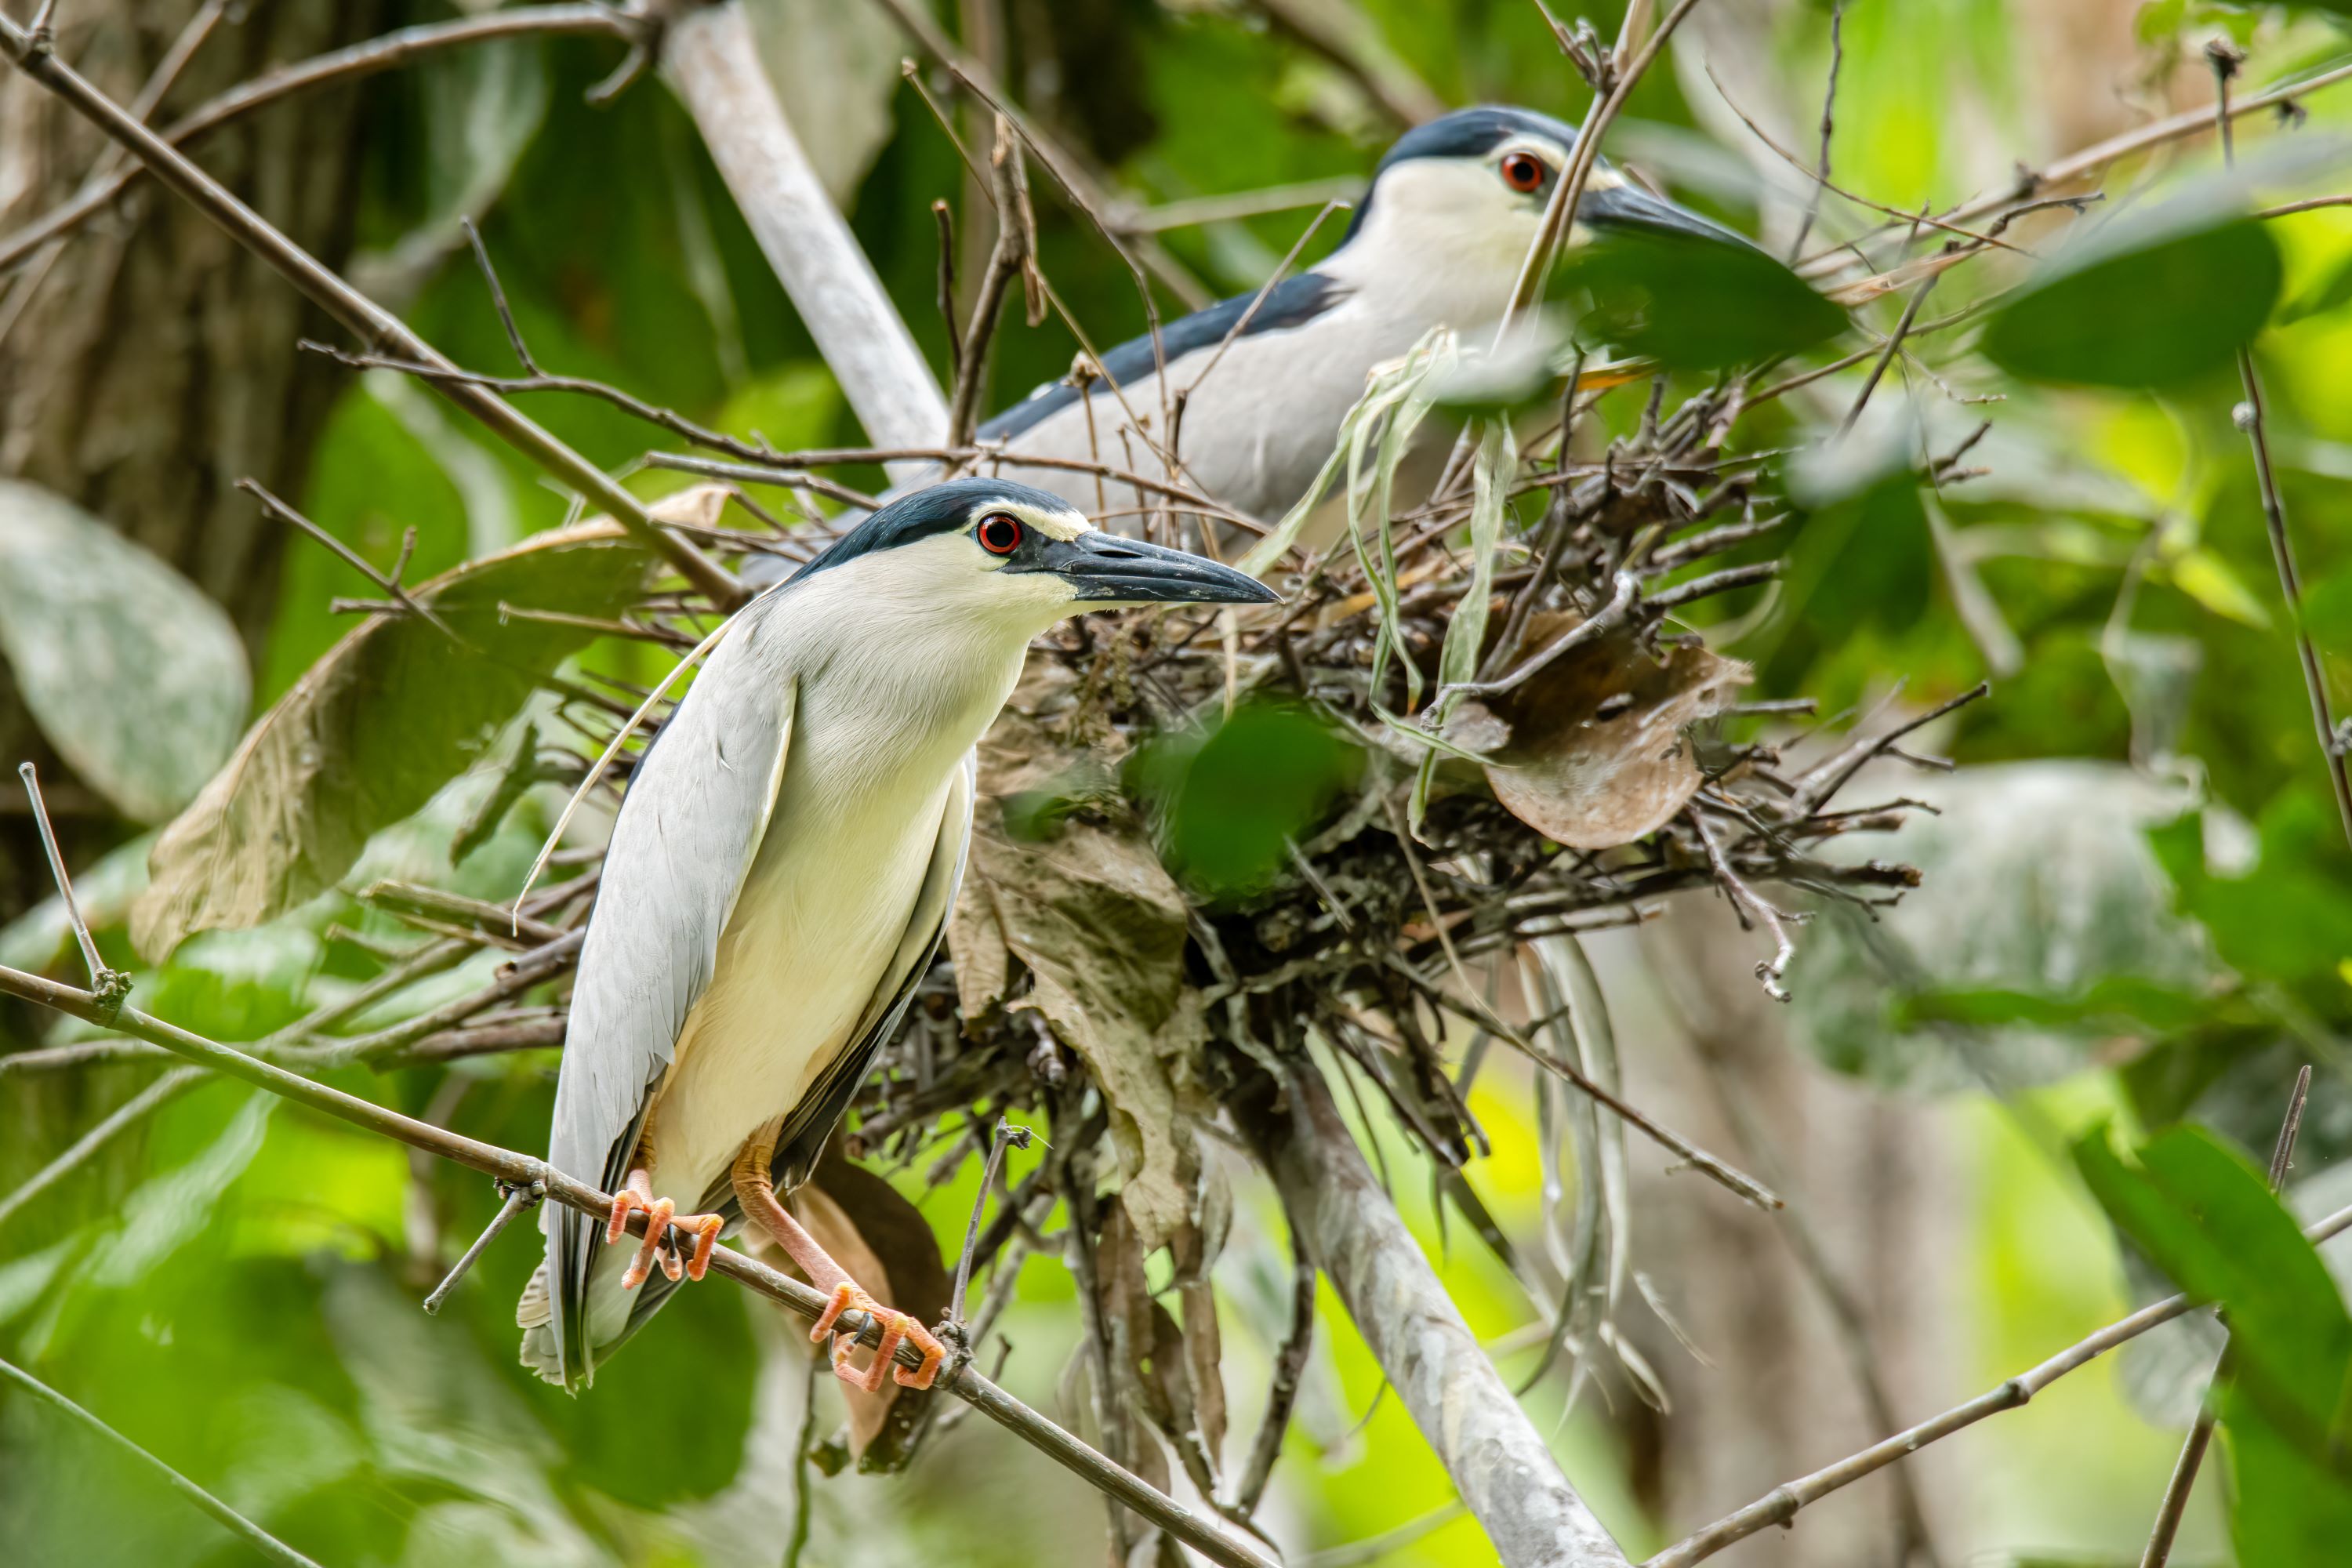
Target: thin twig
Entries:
(1603, 620)
(1006, 1134)
(1828, 122)
(2248, 416)
(111, 984)
(1559, 214)
(514, 1168)
(237, 1524)
(1289, 1369)
(803, 1494)
(1781, 1505)
(389, 583)
(1893, 346)
(1084, 189)
(402, 46)
(1727, 1176)
(518, 1198)
(1009, 259)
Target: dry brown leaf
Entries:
(1101, 927)
(1595, 754)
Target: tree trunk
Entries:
(154, 365)
(1501, 1466)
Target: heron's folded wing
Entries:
(698, 806)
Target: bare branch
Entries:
(522, 1170)
(393, 49)
(710, 57)
(371, 323)
(1010, 259)
(2249, 417)
(1781, 1505)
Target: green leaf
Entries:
(2203, 1212)
(1695, 304)
(2150, 301)
(136, 677)
(2288, 918)
(1232, 801)
(373, 729)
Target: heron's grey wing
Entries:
(1291, 302)
(802, 1139)
(689, 827)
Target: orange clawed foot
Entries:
(897, 1327)
(661, 1218)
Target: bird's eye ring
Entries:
(1524, 172)
(999, 534)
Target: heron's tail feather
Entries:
(534, 1314)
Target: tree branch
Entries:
(2248, 416)
(522, 1170)
(375, 325)
(363, 59)
(1500, 1462)
(713, 63)
(1781, 1505)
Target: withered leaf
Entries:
(387, 717)
(1101, 927)
(1596, 755)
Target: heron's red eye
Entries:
(1524, 172)
(999, 534)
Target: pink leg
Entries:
(756, 1191)
(661, 1217)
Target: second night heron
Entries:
(1267, 377)
(778, 878)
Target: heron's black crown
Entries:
(937, 508)
(1465, 133)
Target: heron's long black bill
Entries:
(1110, 570)
(1627, 206)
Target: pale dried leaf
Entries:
(1597, 756)
(380, 724)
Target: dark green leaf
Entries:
(2149, 301)
(2205, 1215)
(1695, 304)
(1232, 802)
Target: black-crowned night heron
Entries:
(777, 882)
(1438, 241)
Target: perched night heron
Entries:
(1438, 241)
(778, 880)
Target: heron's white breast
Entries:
(895, 686)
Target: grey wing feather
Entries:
(687, 832)
(803, 1137)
